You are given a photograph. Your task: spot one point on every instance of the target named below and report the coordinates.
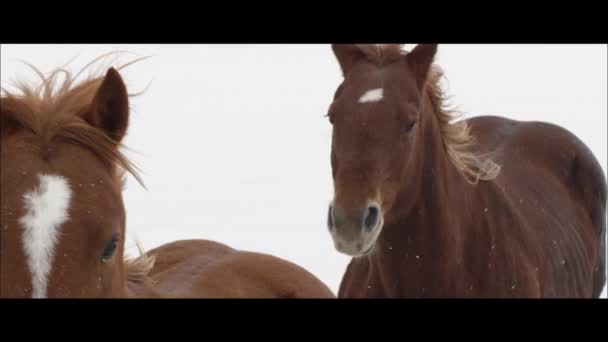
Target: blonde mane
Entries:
(457, 139)
(53, 109)
(139, 268)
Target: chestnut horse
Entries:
(485, 207)
(63, 217)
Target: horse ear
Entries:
(348, 55)
(110, 108)
(420, 60)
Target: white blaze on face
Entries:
(46, 210)
(372, 95)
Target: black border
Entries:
(295, 23)
(312, 320)
(590, 310)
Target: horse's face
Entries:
(63, 220)
(374, 116)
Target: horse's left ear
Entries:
(110, 108)
(420, 60)
(347, 55)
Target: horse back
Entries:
(208, 269)
(549, 177)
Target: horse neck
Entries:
(435, 183)
(438, 203)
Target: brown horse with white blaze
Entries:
(62, 218)
(428, 207)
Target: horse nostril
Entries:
(370, 220)
(330, 217)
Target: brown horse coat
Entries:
(207, 269)
(486, 207)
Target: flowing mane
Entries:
(138, 268)
(457, 139)
(53, 109)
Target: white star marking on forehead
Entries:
(372, 95)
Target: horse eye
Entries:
(408, 128)
(110, 249)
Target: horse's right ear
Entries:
(420, 60)
(110, 108)
(348, 55)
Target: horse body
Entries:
(208, 269)
(536, 228)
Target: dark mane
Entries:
(53, 109)
(457, 139)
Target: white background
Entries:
(235, 148)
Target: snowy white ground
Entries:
(235, 148)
